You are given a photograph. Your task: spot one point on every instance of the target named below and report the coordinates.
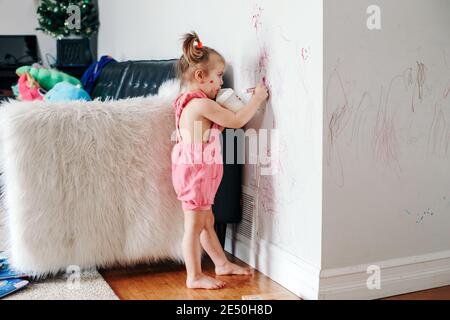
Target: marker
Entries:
(250, 90)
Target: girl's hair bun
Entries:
(193, 50)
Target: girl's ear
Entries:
(199, 75)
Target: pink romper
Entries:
(197, 168)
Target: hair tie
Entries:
(198, 44)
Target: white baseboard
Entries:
(397, 276)
(294, 274)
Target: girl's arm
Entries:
(226, 118)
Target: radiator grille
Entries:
(245, 228)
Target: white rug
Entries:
(89, 285)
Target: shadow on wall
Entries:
(228, 77)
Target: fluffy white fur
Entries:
(89, 183)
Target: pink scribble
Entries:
(267, 195)
(446, 92)
(263, 60)
(304, 52)
(274, 162)
(263, 63)
(256, 18)
(258, 70)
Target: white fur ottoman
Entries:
(89, 183)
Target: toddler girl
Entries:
(197, 167)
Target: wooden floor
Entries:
(166, 281)
(442, 293)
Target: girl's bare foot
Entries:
(232, 268)
(204, 282)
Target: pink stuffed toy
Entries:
(29, 88)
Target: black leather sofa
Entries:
(119, 80)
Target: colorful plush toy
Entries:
(47, 78)
(29, 89)
(65, 91)
(15, 90)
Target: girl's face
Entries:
(211, 84)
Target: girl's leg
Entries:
(212, 246)
(194, 222)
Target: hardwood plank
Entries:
(166, 281)
(441, 293)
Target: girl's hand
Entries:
(260, 93)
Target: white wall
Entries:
(387, 170)
(19, 17)
(386, 207)
(283, 41)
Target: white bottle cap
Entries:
(228, 99)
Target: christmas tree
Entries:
(61, 18)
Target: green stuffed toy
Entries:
(47, 78)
